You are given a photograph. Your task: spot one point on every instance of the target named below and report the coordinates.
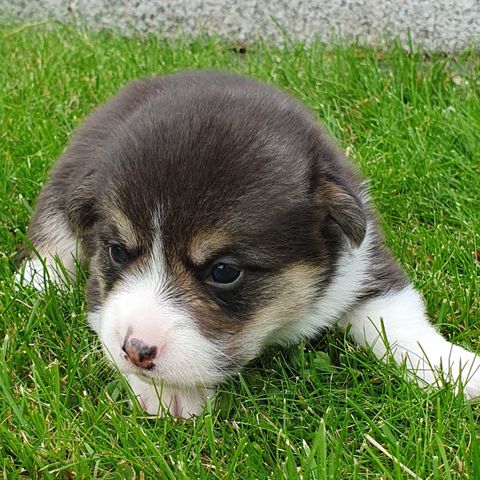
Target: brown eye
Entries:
(224, 274)
(118, 254)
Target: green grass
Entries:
(411, 121)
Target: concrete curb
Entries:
(434, 24)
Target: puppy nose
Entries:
(139, 353)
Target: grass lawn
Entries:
(327, 410)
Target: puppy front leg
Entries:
(400, 317)
(57, 250)
(155, 399)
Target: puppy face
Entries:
(211, 225)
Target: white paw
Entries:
(155, 399)
(449, 364)
(463, 366)
(37, 274)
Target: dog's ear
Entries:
(81, 207)
(335, 199)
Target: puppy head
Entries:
(214, 219)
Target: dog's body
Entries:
(216, 217)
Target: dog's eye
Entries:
(117, 254)
(224, 274)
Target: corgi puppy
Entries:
(217, 217)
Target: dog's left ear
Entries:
(81, 207)
(336, 200)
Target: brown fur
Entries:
(204, 244)
(293, 292)
(203, 166)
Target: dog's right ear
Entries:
(341, 204)
(81, 207)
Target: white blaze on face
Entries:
(143, 306)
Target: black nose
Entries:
(139, 353)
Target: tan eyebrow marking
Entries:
(205, 243)
(125, 228)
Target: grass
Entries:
(323, 411)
